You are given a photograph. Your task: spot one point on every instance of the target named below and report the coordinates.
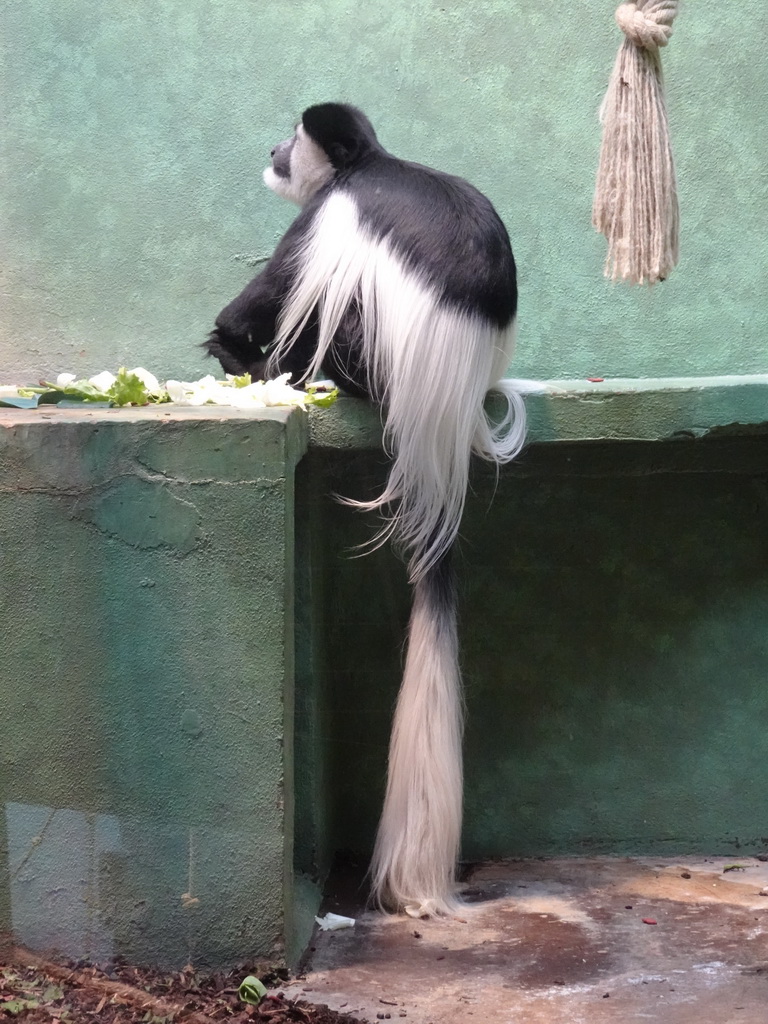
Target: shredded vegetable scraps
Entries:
(140, 387)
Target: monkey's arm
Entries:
(245, 329)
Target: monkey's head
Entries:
(329, 139)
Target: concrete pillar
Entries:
(146, 594)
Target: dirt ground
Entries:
(577, 941)
(38, 991)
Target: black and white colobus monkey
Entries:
(398, 281)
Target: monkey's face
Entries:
(299, 168)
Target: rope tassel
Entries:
(635, 203)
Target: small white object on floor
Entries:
(333, 922)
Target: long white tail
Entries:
(417, 844)
(430, 366)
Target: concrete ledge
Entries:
(283, 435)
(622, 409)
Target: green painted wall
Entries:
(134, 136)
(614, 601)
(146, 700)
(158, 597)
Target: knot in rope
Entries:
(647, 23)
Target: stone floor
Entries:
(562, 942)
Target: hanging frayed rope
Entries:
(636, 194)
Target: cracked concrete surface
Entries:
(562, 942)
(147, 603)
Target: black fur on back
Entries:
(440, 225)
(445, 231)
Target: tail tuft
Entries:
(417, 845)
